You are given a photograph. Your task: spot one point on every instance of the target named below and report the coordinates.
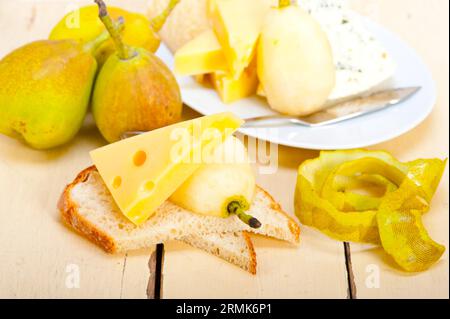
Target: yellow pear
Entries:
(45, 88)
(83, 24)
(295, 61)
(223, 186)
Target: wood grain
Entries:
(315, 269)
(424, 26)
(41, 258)
(430, 139)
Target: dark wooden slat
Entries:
(350, 274)
(155, 266)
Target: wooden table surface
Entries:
(40, 258)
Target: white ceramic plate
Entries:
(359, 132)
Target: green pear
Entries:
(134, 91)
(222, 186)
(295, 61)
(45, 87)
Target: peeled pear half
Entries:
(295, 62)
(223, 186)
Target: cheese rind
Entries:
(237, 25)
(143, 171)
(201, 55)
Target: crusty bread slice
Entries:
(87, 206)
(236, 248)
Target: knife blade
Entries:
(343, 111)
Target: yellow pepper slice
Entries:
(328, 197)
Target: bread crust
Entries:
(292, 224)
(252, 253)
(70, 215)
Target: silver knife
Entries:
(341, 111)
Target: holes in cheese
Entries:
(176, 153)
(139, 158)
(117, 182)
(149, 186)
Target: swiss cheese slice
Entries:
(230, 89)
(143, 171)
(237, 25)
(201, 55)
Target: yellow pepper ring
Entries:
(324, 199)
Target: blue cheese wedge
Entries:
(362, 63)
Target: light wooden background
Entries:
(38, 255)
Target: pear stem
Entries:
(104, 36)
(284, 3)
(158, 22)
(235, 208)
(123, 51)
